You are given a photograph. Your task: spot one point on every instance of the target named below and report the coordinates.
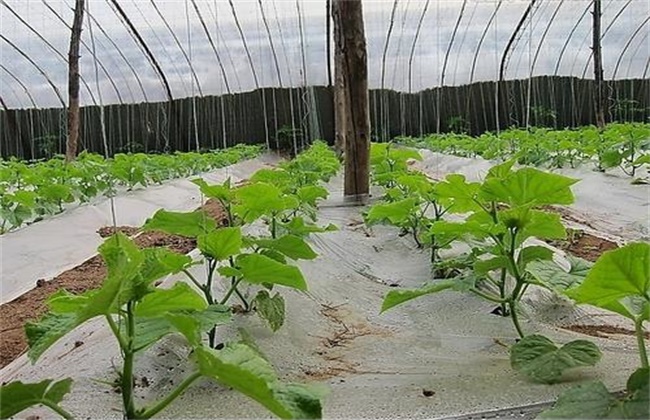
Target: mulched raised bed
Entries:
(86, 276)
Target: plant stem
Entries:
(58, 410)
(643, 354)
(127, 370)
(232, 289)
(116, 332)
(273, 226)
(515, 317)
(488, 297)
(194, 280)
(171, 397)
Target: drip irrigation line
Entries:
(180, 46)
(49, 45)
(127, 22)
(212, 45)
(85, 45)
(383, 103)
(40, 70)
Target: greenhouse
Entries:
(325, 209)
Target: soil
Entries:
(584, 245)
(604, 331)
(107, 231)
(86, 276)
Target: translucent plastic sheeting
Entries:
(49, 247)
(200, 50)
(375, 366)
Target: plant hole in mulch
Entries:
(88, 275)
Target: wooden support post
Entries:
(73, 82)
(351, 64)
(599, 97)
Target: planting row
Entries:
(281, 203)
(29, 191)
(497, 219)
(619, 145)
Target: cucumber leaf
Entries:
(619, 281)
(18, 396)
(542, 361)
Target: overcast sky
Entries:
(557, 38)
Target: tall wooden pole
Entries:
(351, 63)
(599, 97)
(73, 82)
(339, 83)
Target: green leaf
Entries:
(396, 213)
(529, 186)
(270, 309)
(535, 223)
(311, 194)
(241, 368)
(18, 396)
(501, 170)
(584, 401)
(290, 245)
(533, 253)
(44, 333)
(221, 243)
(159, 262)
(485, 266)
(397, 297)
(541, 360)
(260, 269)
(462, 193)
(227, 271)
(619, 281)
(550, 275)
(256, 200)
(180, 297)
(297, 226)
(220, 192)
(190, 224)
